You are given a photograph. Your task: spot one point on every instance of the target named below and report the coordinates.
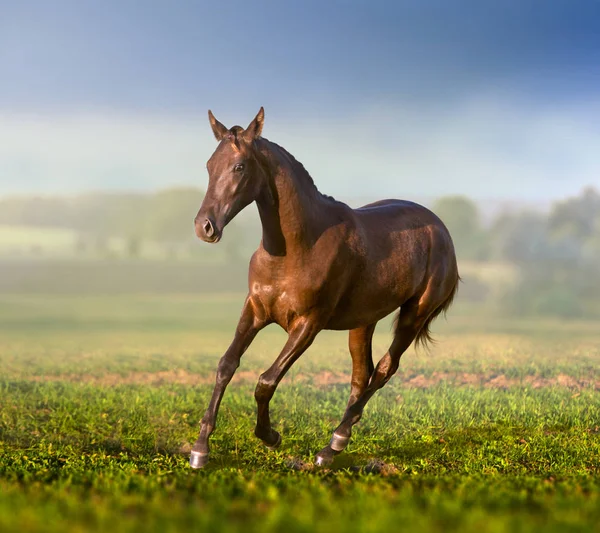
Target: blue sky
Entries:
(493, 99)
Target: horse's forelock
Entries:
(234, 136)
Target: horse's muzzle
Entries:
(207, 230)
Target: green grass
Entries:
(89, 441)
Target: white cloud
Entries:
(487, 148)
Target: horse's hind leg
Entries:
(412, 318)
(360, 344)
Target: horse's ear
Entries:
(219, 130)
(255, 127)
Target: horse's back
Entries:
(403, 218)
(389, 202)
(391, 207)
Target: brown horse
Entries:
(320, 265)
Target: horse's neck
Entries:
(292, 211)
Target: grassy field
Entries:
(497, 429)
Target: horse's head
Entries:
(235, 177)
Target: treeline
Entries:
(556, 254)
(164, 217)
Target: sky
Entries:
(409, 99)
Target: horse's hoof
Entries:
(324, 457)
(273, 447)
(198, 459)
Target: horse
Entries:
(320, 265)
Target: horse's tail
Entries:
(424, 338)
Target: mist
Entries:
(492, 147)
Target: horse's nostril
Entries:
(208, 228)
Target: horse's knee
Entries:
(225, 369)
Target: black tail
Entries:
(424, 338)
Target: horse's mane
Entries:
(299, 169)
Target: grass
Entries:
(101, 396)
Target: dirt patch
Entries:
(562, 380)
(498, 382)
(328, 378)
(322, 379)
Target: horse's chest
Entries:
(283, 302)
(287, 295)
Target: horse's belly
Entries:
(351, 314)
(373, 296)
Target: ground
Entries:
(496, 429)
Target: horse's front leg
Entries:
(301, 336)
(249, 325)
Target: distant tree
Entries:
(578, 217)
(575, 225)
(557, 255)
(170, 220)
(45, 211)
(98, 217)
(170, 214)
(165, 217)
(234, 242)
(592, 244)
(133, 247)
(81, 245)
(110, 214)
(519, 237)
(461, 216)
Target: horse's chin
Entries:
(212, 240)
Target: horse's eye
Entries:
(239, 167)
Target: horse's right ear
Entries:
(219, 130)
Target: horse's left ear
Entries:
(254, 129)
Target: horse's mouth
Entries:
(212, 240)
